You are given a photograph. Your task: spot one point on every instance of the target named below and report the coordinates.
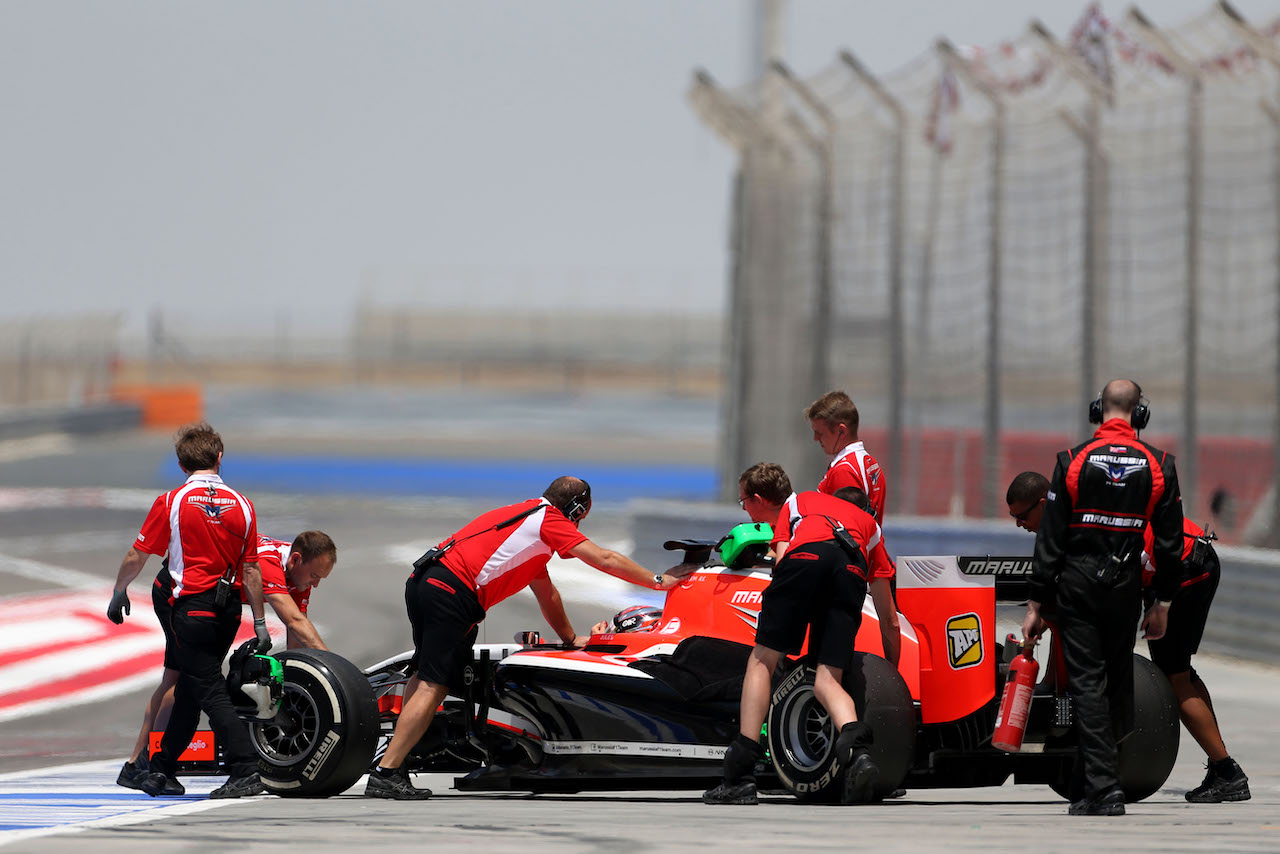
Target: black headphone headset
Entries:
(577, 506)
(1138, 420)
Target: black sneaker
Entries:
(860, 780)
(1110, 802)
(741, 794)
(158, 783)
(131, 773)
(396, 786)
(240, 787)
(1218, 787)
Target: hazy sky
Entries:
(230, 162)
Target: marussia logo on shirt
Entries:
(1118, 468)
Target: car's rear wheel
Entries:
(802, 738)
(1148, 753)
(323, 737)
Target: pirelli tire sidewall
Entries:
(325, 736)
(801, 745)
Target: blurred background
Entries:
(499, 229)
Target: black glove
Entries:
(263, 636)
(119, 606)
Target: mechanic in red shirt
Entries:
(1224, 779)
(1104, 494)
(289, 571)
(818, 586)
(456, 583)
(210, 534)
(871, 538)
(834, 420)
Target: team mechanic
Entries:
(289, 571)
(818, 585)
(1104, 493)
(454, 584)
(834, 420)
(210, 534)
(1201, 570)
(1224, 779)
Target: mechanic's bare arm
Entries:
(301, 631)
(620, 566)
(251, 579)
(553, 609)
(778, 549)
(132, 564)
(1032, 623)
(887, 614)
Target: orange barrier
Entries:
(164, 406)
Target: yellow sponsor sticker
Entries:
(964, 640)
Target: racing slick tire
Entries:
(1148, 753)
(802, 739)
(323, 737)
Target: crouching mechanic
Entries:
(1224, 779)
(819, 586)
(456, 583)
(289, 571)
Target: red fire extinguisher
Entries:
(1011, 722)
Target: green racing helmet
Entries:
(745, 543)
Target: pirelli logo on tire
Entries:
(964, 641)
(322, 753)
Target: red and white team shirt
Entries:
(204, 527)
(498, 563)
(803, 519)
(1190, 532)
(853, 466)
(273, 557)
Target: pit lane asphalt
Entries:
(361, 612)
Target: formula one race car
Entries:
(654, 708)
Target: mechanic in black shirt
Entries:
(1104, 494)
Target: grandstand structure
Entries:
(974, 244)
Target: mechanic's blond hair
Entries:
(834, 407)
(767, 480)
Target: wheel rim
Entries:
(806, 730)
(293, 732)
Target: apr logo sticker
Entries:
(964, 640)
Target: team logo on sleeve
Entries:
(964, 641)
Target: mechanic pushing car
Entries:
(289, 572)
(1224, 780)
(1088, 561)
(210, 534)
(454, 584)
(819, 584)
(834, 420)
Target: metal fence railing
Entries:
(973, 245)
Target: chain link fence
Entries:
(974, 244)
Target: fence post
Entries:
(1188, 458)
(824, 150)
(991, 482)
(1096, 210)
(1268, 51)
(897, 226)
